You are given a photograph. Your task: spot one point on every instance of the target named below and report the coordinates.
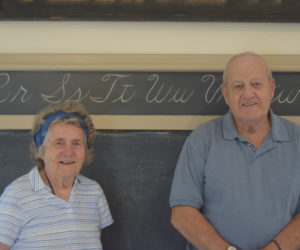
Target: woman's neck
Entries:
(60, 187)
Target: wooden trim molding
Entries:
(135, 62)
(129, 62)
(124, 122)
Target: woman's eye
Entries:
(77, 144)
(58, 143)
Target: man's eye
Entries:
(257, 84)
(239, 86)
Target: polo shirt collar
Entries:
(278, 130)
(37, 182)
(229, 129)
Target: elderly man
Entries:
(237, 180)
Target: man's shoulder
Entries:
(289, 123)
(292, 127)
(285, 130)
(208, 128)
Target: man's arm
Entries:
(196, 229)
(288, 238)
(4, 246)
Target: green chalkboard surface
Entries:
(135, 170)
(132, 93)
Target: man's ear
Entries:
(273, 85)
(224, 93)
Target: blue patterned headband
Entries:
(39, 136)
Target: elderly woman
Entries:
(53, 206)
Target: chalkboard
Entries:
(158, 10)
(135, 170)
(133, 93)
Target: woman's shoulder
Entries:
(19, 183)
(15, 190)
(88, 183)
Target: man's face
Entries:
(64, 150)
(248, 90)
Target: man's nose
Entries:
(248, 91)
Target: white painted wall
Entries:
(33, 43)
(149, 37)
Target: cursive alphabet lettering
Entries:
(159, 93)
(78, 96)
(156, 95)
(4, 80)
(181, 97)
(122, 96)
(25, 96)
(216, 94)
(115, 79)
(283, 97)
(60, 94)
(23, 99)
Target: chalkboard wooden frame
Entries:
(150, 10)
(134, 62)
(138, 62)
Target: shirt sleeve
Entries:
(104, 211)
(10, 219)
(188, 179)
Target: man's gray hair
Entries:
(244, 54)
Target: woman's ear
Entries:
(42, 152)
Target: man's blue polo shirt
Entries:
(249, 195)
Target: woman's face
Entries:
(64, 150)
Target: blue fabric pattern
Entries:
(249, 195)
(31, 217)
(39, 136)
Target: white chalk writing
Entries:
(216, 94)
(144, 89)
(159, 93)
(289, 97)
(13, 96)
(60, 94)
(115, 79)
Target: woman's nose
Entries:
(68, 150)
